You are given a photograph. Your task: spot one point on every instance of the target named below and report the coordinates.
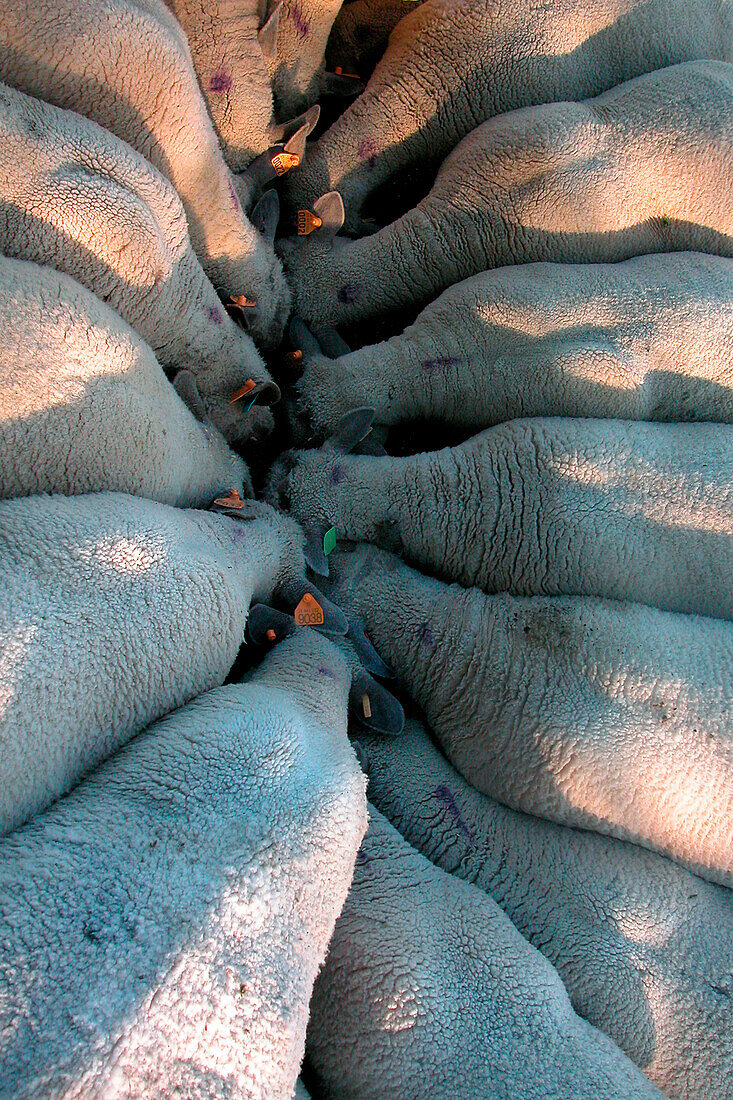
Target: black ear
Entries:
(371, 446)
(267, 34)
(330, 209)
(265, 168)
(334, 345)
(340, 84)
(265, 625)
(315, 555)
(374, 707)
(366, 652)
(301, 337)
(374, 443)
(187, 389)
(304, 125)
(350, 430)
(262, 393)
(266, 215)
(292, 595)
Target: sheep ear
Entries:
(366, 652)
(314, 551)
(301, 338)
(340, 84)
(305, 124)
(374, 443)
(266, 167)
(299, 592)
(330, 209)
(374, 706)
(266, 215)
(266, 393)
(371, 447)
(267, 34)
(350, 430)
(265, 625)
(187, 389)
(333, 345)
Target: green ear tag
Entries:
(329, 541)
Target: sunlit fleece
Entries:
(699, 505)
(120, 554)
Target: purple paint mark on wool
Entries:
(426, 636)
(220, 81)
(235, 197)
(437, 366)
(215, 315)
(349, 294)
(338, 473)
(237, 530)
(366, 150)
(444, 795)
(299, 21)
(323, 671)
(362, 858)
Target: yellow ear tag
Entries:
(283, 162)
(248, 386)
(232, 500)
(308, 612)
(366, 706)
(307, 222)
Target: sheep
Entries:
(646, 167)
(298, 67)
(428, 991)
(602, 714)
(126, 65)
(643, 947)
(650, 338)
(452, 64)
(233, 75)
(163, 924)
(255, 60)
(115, 611)
(85, 406)
(627, 510)
(236, 54)
(74, 196)
(361, 31)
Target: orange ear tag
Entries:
(307, 222)
(232, 500)
(283, 162)
(308, 612)
(366, 706)
(340, 72)
(248, 386)
(292, 358)
(271, 635)
(242, 301)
